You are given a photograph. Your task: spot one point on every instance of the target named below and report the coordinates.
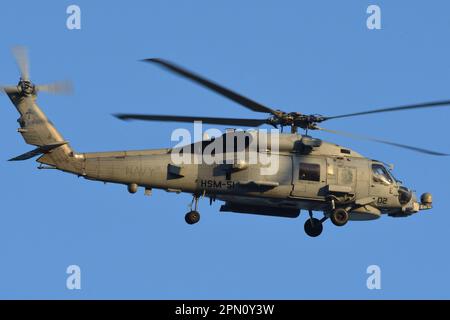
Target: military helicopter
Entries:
(311, 174)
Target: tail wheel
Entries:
(339, 217)
(313, 227)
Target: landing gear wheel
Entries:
(339, 217)
(313, 227)
(192, 217)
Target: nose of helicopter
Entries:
(426, 203)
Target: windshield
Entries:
(381, 175)
(399, 182)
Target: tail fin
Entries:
(37, 130)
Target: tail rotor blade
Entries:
(8, 89)
(61, 87)
(21, 56)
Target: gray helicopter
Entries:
(310, 174)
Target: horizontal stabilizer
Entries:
(38, 151)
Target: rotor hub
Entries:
(298, 120)
(26, 87)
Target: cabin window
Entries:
(309, 172)
(381, 175)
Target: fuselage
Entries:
(253, 171)
(300, 179)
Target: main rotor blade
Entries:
(21, 56)
(407, 107)
(61, 87)
(361, 137)
(211, 120)
(246, 102)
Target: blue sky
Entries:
(306, 56)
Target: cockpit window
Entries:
(381, 175)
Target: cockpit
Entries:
(381, 175)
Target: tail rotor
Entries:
(27, 88)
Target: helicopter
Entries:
(310, 174)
